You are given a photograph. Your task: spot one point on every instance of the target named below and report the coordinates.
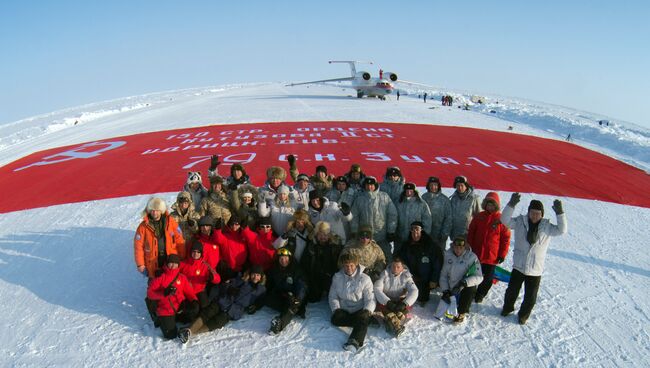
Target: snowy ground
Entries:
(71, 295)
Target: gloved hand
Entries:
(345, 208)
(557, 207)
(290, 234)
(514, 199)
(251, 309)
(169, 290)
(365, 314)
(291, 159)
(459, 287)
(214, 162)
(391, 305)
(401, 306)
(446, 296)
(500, 260)
(191, 222)
(391, 237)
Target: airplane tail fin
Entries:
(353, 69)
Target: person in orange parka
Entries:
(260, 244)
(210, 247)
(173, 295)
(490, 240)
(232, 249)
(157, 237)
(199, 273)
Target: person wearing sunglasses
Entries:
(286, 290)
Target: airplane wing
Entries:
(322, 81)
(416, 84)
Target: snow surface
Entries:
(71, 295)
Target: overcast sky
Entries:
(588, 55)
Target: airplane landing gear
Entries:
(359, 94)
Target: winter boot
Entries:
(506, 312)
(460, 318)
(478, 299)
(184, 335)
(523, 320)
(276, 326)
(352, 345)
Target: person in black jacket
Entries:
(286, 290)
(319, 261)
(424, 259)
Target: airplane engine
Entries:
(364, 75)
(391, 76)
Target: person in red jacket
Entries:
(232, 249)
(199, 273)
(174, 297)
(210, 247)
(157, 237)
(490, 240)
(260, 244)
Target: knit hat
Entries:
(174, 258)
(234, 219)
(417, 223)
(206, 221)
(283, 189)
(460, 180)
(355, 168)
(156, 204)
(322, 169)
(314, 194)
(409, 186)
(264, 221)
(256, 269)
(197, 246)
(393, 170)
(536, 205)
(193, 177)
(302, 177)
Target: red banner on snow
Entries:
(159, 162)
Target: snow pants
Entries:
(465, 299)
(486, 284)
(531, 287)
(358, 321)
(187, 312)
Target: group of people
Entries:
(447, 100)
(372, 248)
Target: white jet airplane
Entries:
(364, 83)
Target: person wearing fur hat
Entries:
(228, 302)
(375, 208)
(302, 187)
(424, 260)
(185, 215)
(352, 300)
(464, 205)
(243, 202)
(410, 208)
(237, 176)
(275, 179)
(280, 208)
(367, 251)
(232, 249)
(393, 183)
(286, 290)
(396, 293)
(321, 209)
(440, 208)
(532, 237)
(206, 236)
(173, 297)
(297, 236)
(260, 244)
(199, 273)
(217, 203)
(355, 177)
(319, 261)
(460, 275)
(157, 236)
(490, 241)
(194, 186)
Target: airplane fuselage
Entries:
(373, 88)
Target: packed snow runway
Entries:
(72, 296)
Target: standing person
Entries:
(395, 292)
(341, 192)
(440, 208)
(367, 252)
(286, 290)
(355, 177)
(321, 209)
(228, 302)
(490, 240)
(352, 301)
(320, 180)
(233, 252)
(297, 236)
(185, 215)
(423, 259)
(275, 177)
(280, 208)
(398, 95)
(205, 236)
(460, 275)
(173, 297)
(410, 208)
(216, 204)
(464, 205)
(302, 188)
(374, 208)
(194, 186)
(260, 244)
(532, 237)
(199, 273)
(393, 183)
(157, 237)
(243, 202)
(237, 176)
(320, 261)
(425, 97)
